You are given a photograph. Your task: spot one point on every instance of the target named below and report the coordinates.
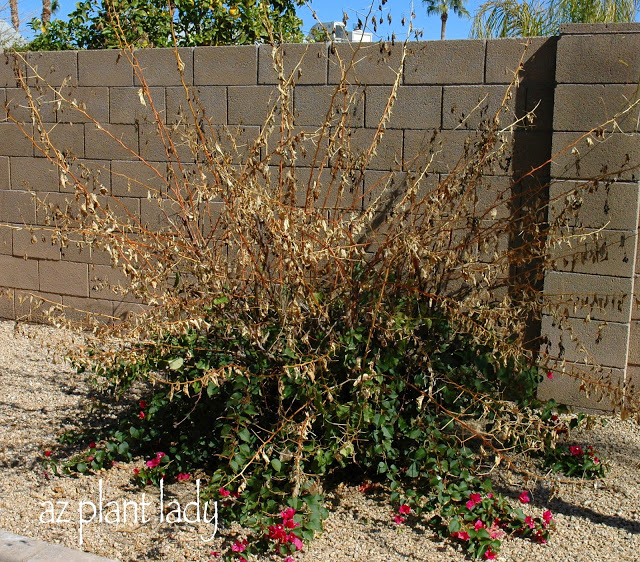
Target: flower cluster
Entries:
(576, 461)
(153, 463)
(282, 533)
(404, 509)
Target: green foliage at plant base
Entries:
(104, 24)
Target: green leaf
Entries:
(276, 464)
(175, 364)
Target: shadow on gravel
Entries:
(566, 508)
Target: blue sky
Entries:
(327, 10)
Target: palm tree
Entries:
(514, 18)
(15, 20)
(442, 7)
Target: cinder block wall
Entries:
(442, 81)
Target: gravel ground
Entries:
(39, 398)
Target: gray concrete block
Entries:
(603, 252)
(613, 155)
(18, 273)
(634, 343)
(137, 179)
(159, 67)
(7, 310)
(250, 105)
(309, 144)
(540, 104)
(391, 188)
(68, 138)
(599, 343)
(53, 68)
(595, 204)
(209, 103)
(582, 107)
(414, 108)
(445, 62)
(126, 107)
(305, 63)
(93, 175)
(35, 245)
(33, 174)
(5, 175)
(598, 59)
(579, 295)
(567, 388)
(84, 310)
(365, 63)
(9, 63)
(325, 189)
(111, 142)
(50, 205)
(77, 251)
(537, 55)
(107, 282)
(467, 107)
(314, 104)
(6, 241)
(104, 68)
(388, 154)
(17, 207)
(64, 278)
(237, 142)
(14, 141)
(153, 147)
(226, 66)
(94, 101)
(14, 548)
(593, 28)
(20, 108)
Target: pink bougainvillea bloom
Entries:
(92, 445)
(524, 497)
(183, 476)
(463, 535)
(224, 493)
(365, 487)
(490, 496)
(239, 546)
(295, 541)
(476, 498)
(242, 559)
(153, 463)
(470, 505)
(576, 450)
(90, 458)
(547, 517)
(214, 554)
(142, 415)
(290, 524)
(489, 555)
(136, 471)
(398, 519)
(143, 404)
(478, 525)
(404, 509)
(540, 538)
(550, 375)
(277, 533)
(289, 559)
(529, 521)
(288, 513)
(47, 454)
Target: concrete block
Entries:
(537, 54)
(250, 105)
(312, 105)
(389, 189)
(136, 179)
(20, 108)
(598, 296)
(467, 107)
(568, 388)
(50, 205)
(445, 62)
(5, 175)
(6, 241)
(331, 191)
(309, 143)
(414, 108)
(209, 103)
(304, 63)
(94, 175)
(595, 204)
(33, 174)
(125, 105)
(104, 68)
(241, 147)
(226, 66)
(582, 107)
(17, 273)
(78, 251)
(112, 142)
(64, 278)
(94, 101)
(593, 28)
(634, 343)
(613, 155)
(7, 311)
(14, 141)
(388, 154)
(86, 310)
(365, 63)
(35, 244)
(605, 252)
(68, 138)
(17, 207)
(598, 59)
(108, 282)
(35, 306)
(127, 310)
(9, 63)
(17, 549)
(157, 214)
(154, 148)
(52, 68)
(160, 66)
(540, 104)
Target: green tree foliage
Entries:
(441, 8)
(103, 24)
(514, 18)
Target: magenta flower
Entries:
(183, 476)
(489, 555)
(576, 450)
(524, 497)
(547, 517)
(463, 535)
(398, 519)
(153, 463)
(289, 559)
(404, 509)
(239, 546)
(143, 404)
(529, 521)
(92, 445)
(550, 375)
(141, 415)
(288, 513)
(478, 525)
(295, 541)
(224, 493)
